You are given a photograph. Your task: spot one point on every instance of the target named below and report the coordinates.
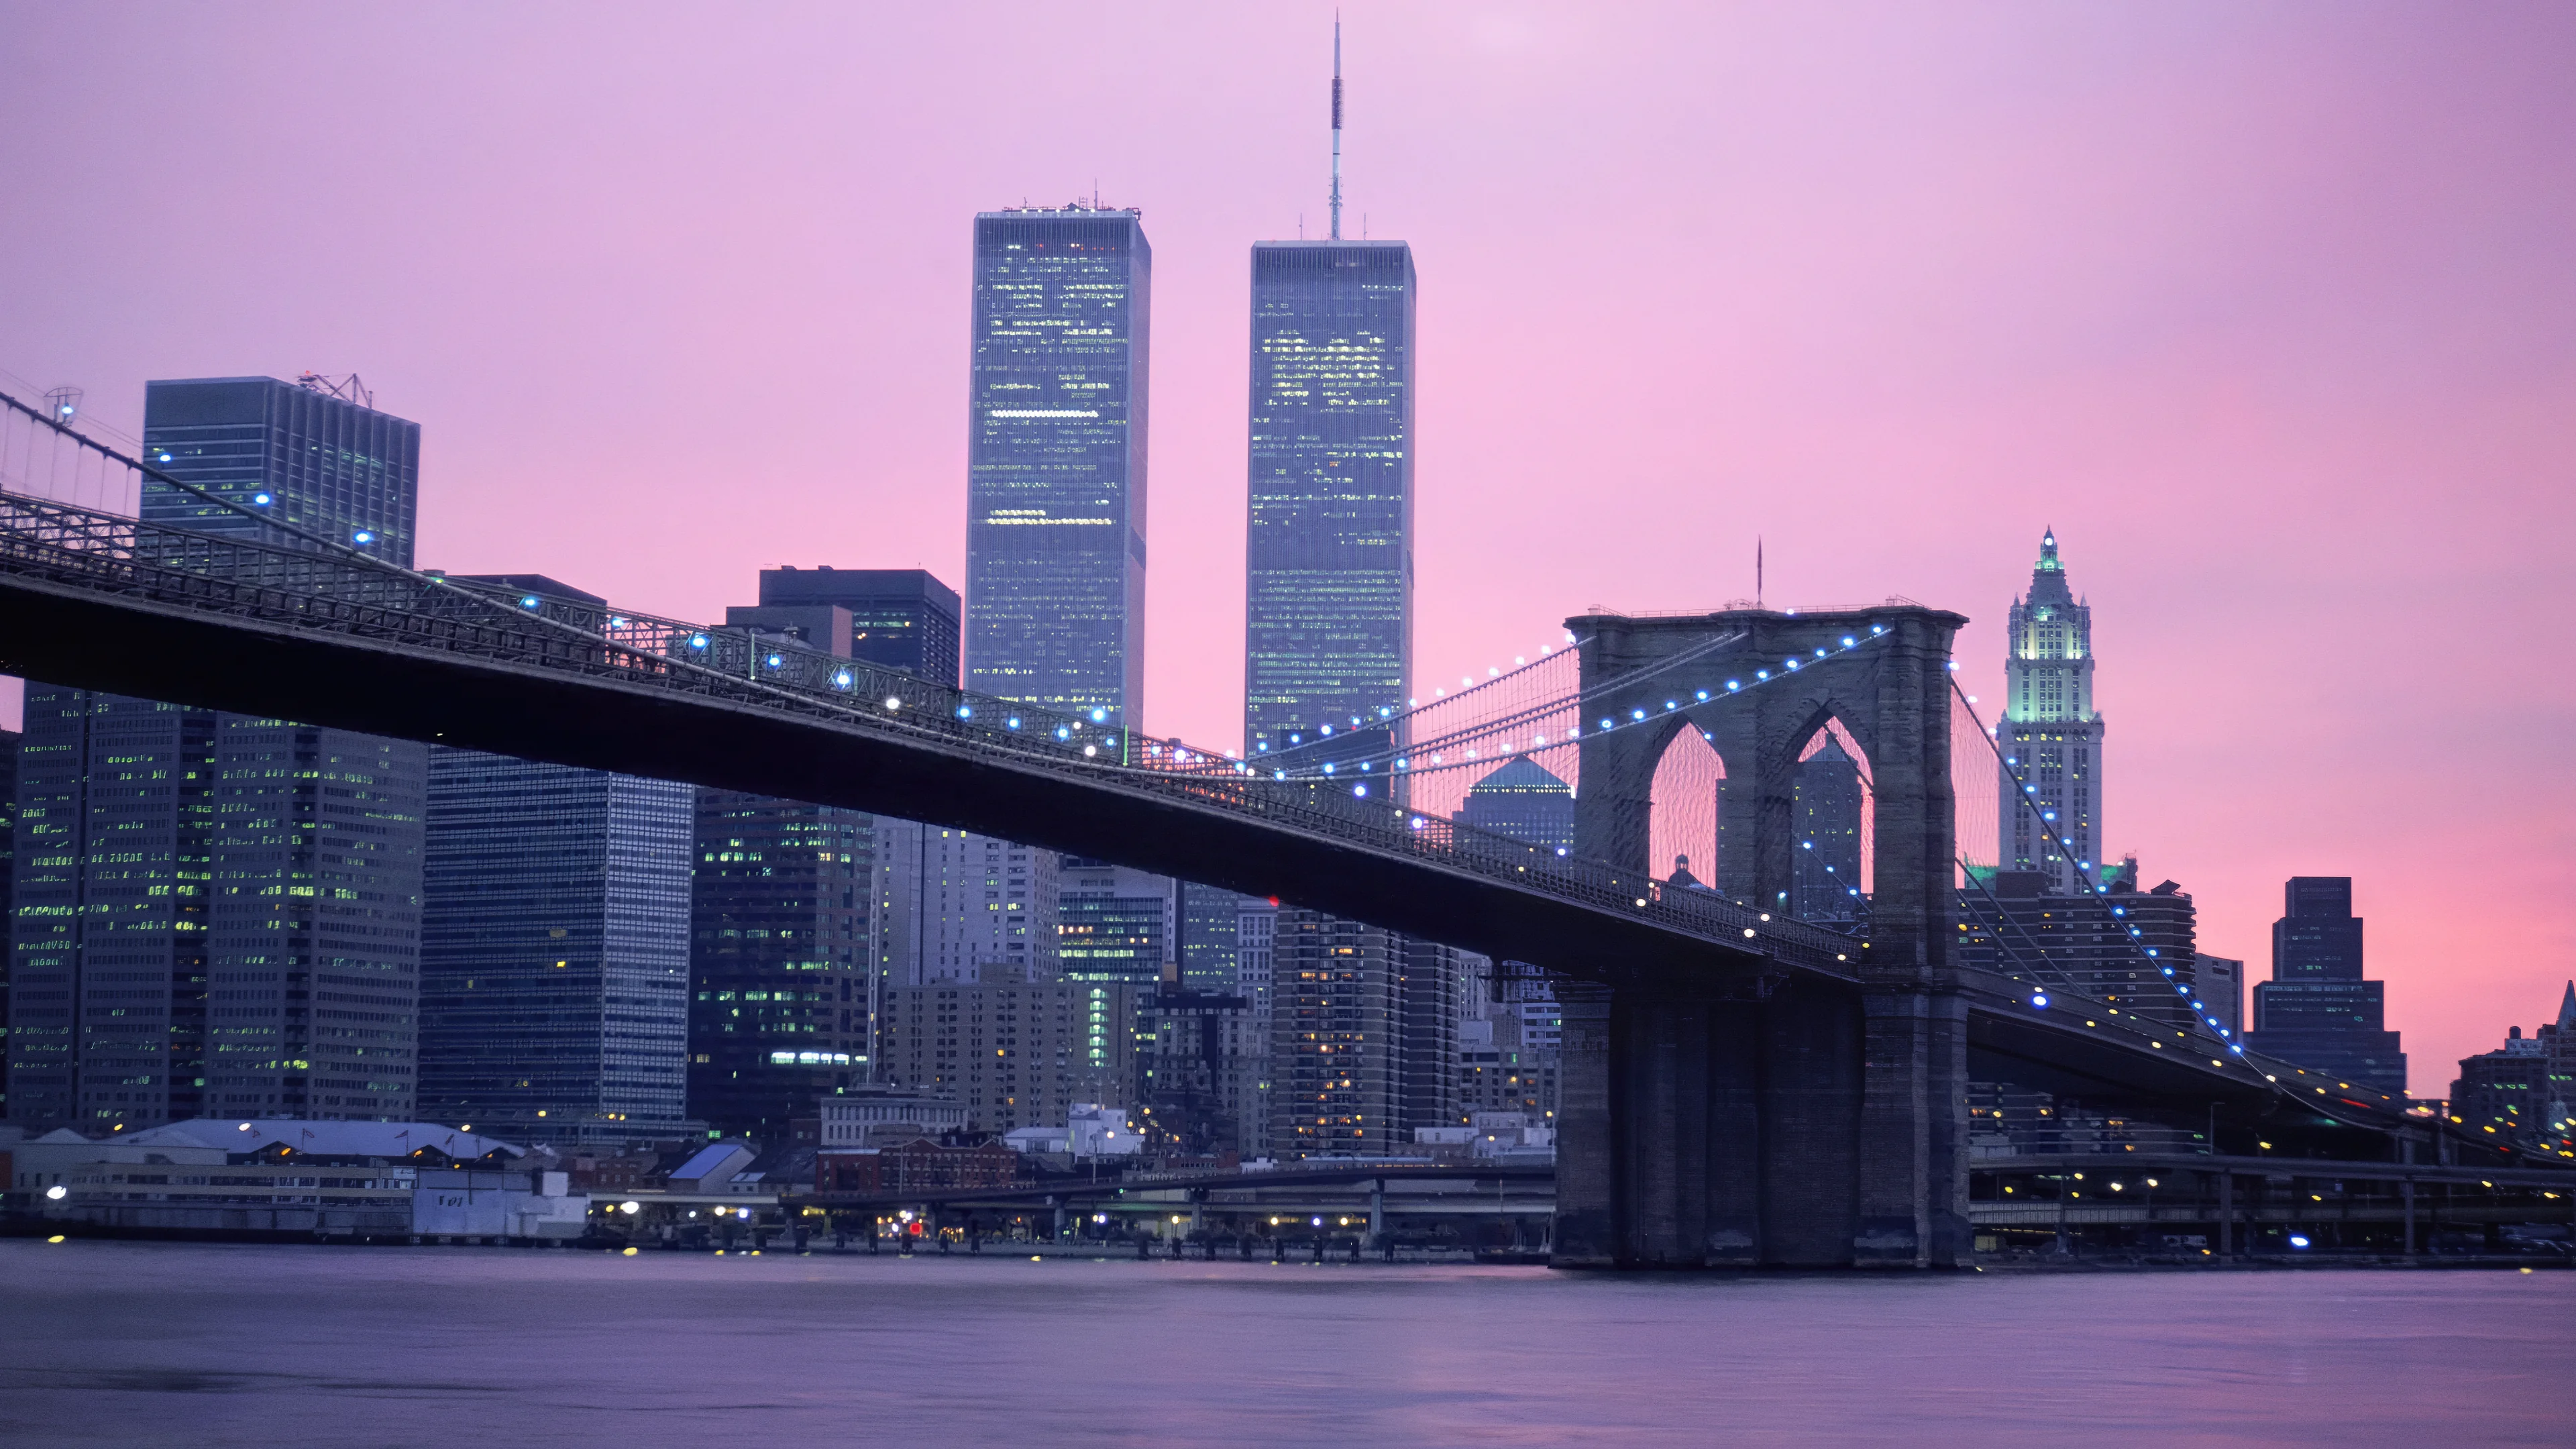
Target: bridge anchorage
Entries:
(1740, 1090)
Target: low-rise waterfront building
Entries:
(326, 1178)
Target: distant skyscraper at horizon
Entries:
(1056, 454)
(2319, 1010)
(2050, 732)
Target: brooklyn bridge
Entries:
(1740, 1088)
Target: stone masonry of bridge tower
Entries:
(1797, 1123)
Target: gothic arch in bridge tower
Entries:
(1817, 1125)
(1682, 809)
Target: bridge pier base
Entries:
(1812, 1129)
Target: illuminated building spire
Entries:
(2051, 733)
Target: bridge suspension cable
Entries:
(314, 584)
(2124, 932)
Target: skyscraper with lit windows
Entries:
(1328, 617)
(171, 857)
(1055, 529)
(2050, 732)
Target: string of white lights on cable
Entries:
(1432, 756)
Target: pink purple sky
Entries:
(2267, 308)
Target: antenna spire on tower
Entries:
(1337, 127)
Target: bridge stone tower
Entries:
(1795, 1123)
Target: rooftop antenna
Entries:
(1757, 571)
(1337, 126)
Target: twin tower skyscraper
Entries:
(1057, 469)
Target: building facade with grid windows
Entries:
(555, 950)
(1013, 1054)
(780, 960)
(219, 913)
(1328, 633)
(1055, 460)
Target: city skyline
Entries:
(2186, 533)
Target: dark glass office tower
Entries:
(1824, 876)
(324, 461)
(172, 856)
(1329, 598)
(315, 952)
(118, 927)
(555, 944)
(554, 950)
(1211, 927)
(176, 855)
(2317, 1010)
(779, 960)
(902, 619)
(1055, 531)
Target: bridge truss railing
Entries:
(309, 583)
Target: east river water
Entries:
(189, 1344)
